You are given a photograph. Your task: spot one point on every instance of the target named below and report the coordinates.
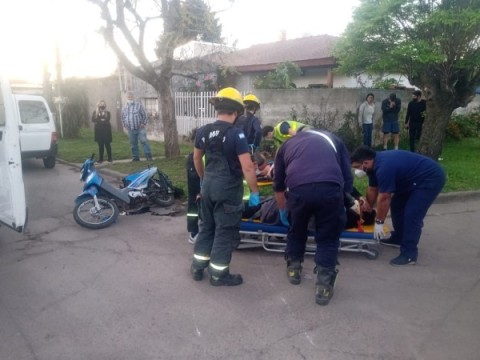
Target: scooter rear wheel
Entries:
(164, 199)
(86, 215)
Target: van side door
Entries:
(13, 211)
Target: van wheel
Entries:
(49, 162)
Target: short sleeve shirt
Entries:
(235, 144)
(399, 171)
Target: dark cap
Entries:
(393, 96)
(417, 93)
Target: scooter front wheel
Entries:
(87, 215)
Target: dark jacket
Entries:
(391, 114)
(252, 128)
(103, 129)
(416, 112)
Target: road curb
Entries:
(104, 171)
(443, 198)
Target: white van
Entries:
(38, 136)
(13, 210)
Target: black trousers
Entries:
(414, 134)
(324, 201)
(104, 145)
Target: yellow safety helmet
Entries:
(251, 98)
(228, 99)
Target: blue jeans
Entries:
(367, 134)
(134, 136)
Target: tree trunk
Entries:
(439, 111)
(167, 113)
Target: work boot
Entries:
(197, 275)
(226, 280)
(324, 285)
(294, 271)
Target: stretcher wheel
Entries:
(372, 254)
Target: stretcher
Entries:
(273, 238)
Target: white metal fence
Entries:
(192, 110)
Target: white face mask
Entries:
(360, 173)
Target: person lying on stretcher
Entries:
(358, 211)
(264, 168)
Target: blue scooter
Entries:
(98, 205)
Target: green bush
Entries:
(348, 131)
(464, 126)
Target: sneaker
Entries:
(135, 159)
(227, 280)
(197, 275)
(390, 242)
(192, 238)
(149, 158)
(402, 260)
(294, 272)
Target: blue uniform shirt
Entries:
(400, 171)
(235, 144)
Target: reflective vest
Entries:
(280, 138)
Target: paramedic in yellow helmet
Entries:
(284, 131)
(250, 123)
(227, 162)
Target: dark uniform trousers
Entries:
(409, 209)
(325, 202)
(221, 208)
(193, 185)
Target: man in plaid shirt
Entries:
(134, 119)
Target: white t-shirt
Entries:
(366, 117)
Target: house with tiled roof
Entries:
(312, 54)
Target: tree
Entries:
(75, 112)
(435, 43)
(281, 78)
(124, 31)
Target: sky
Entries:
(31, 30)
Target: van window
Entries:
(32, 112)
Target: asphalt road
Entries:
(125, 292)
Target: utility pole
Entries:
(59, 100)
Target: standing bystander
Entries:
(134, 119)
(414, 118)
(366, 115)
(102, 130)
(390, 108)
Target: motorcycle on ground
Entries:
(98, 206)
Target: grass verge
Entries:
(458, 159)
